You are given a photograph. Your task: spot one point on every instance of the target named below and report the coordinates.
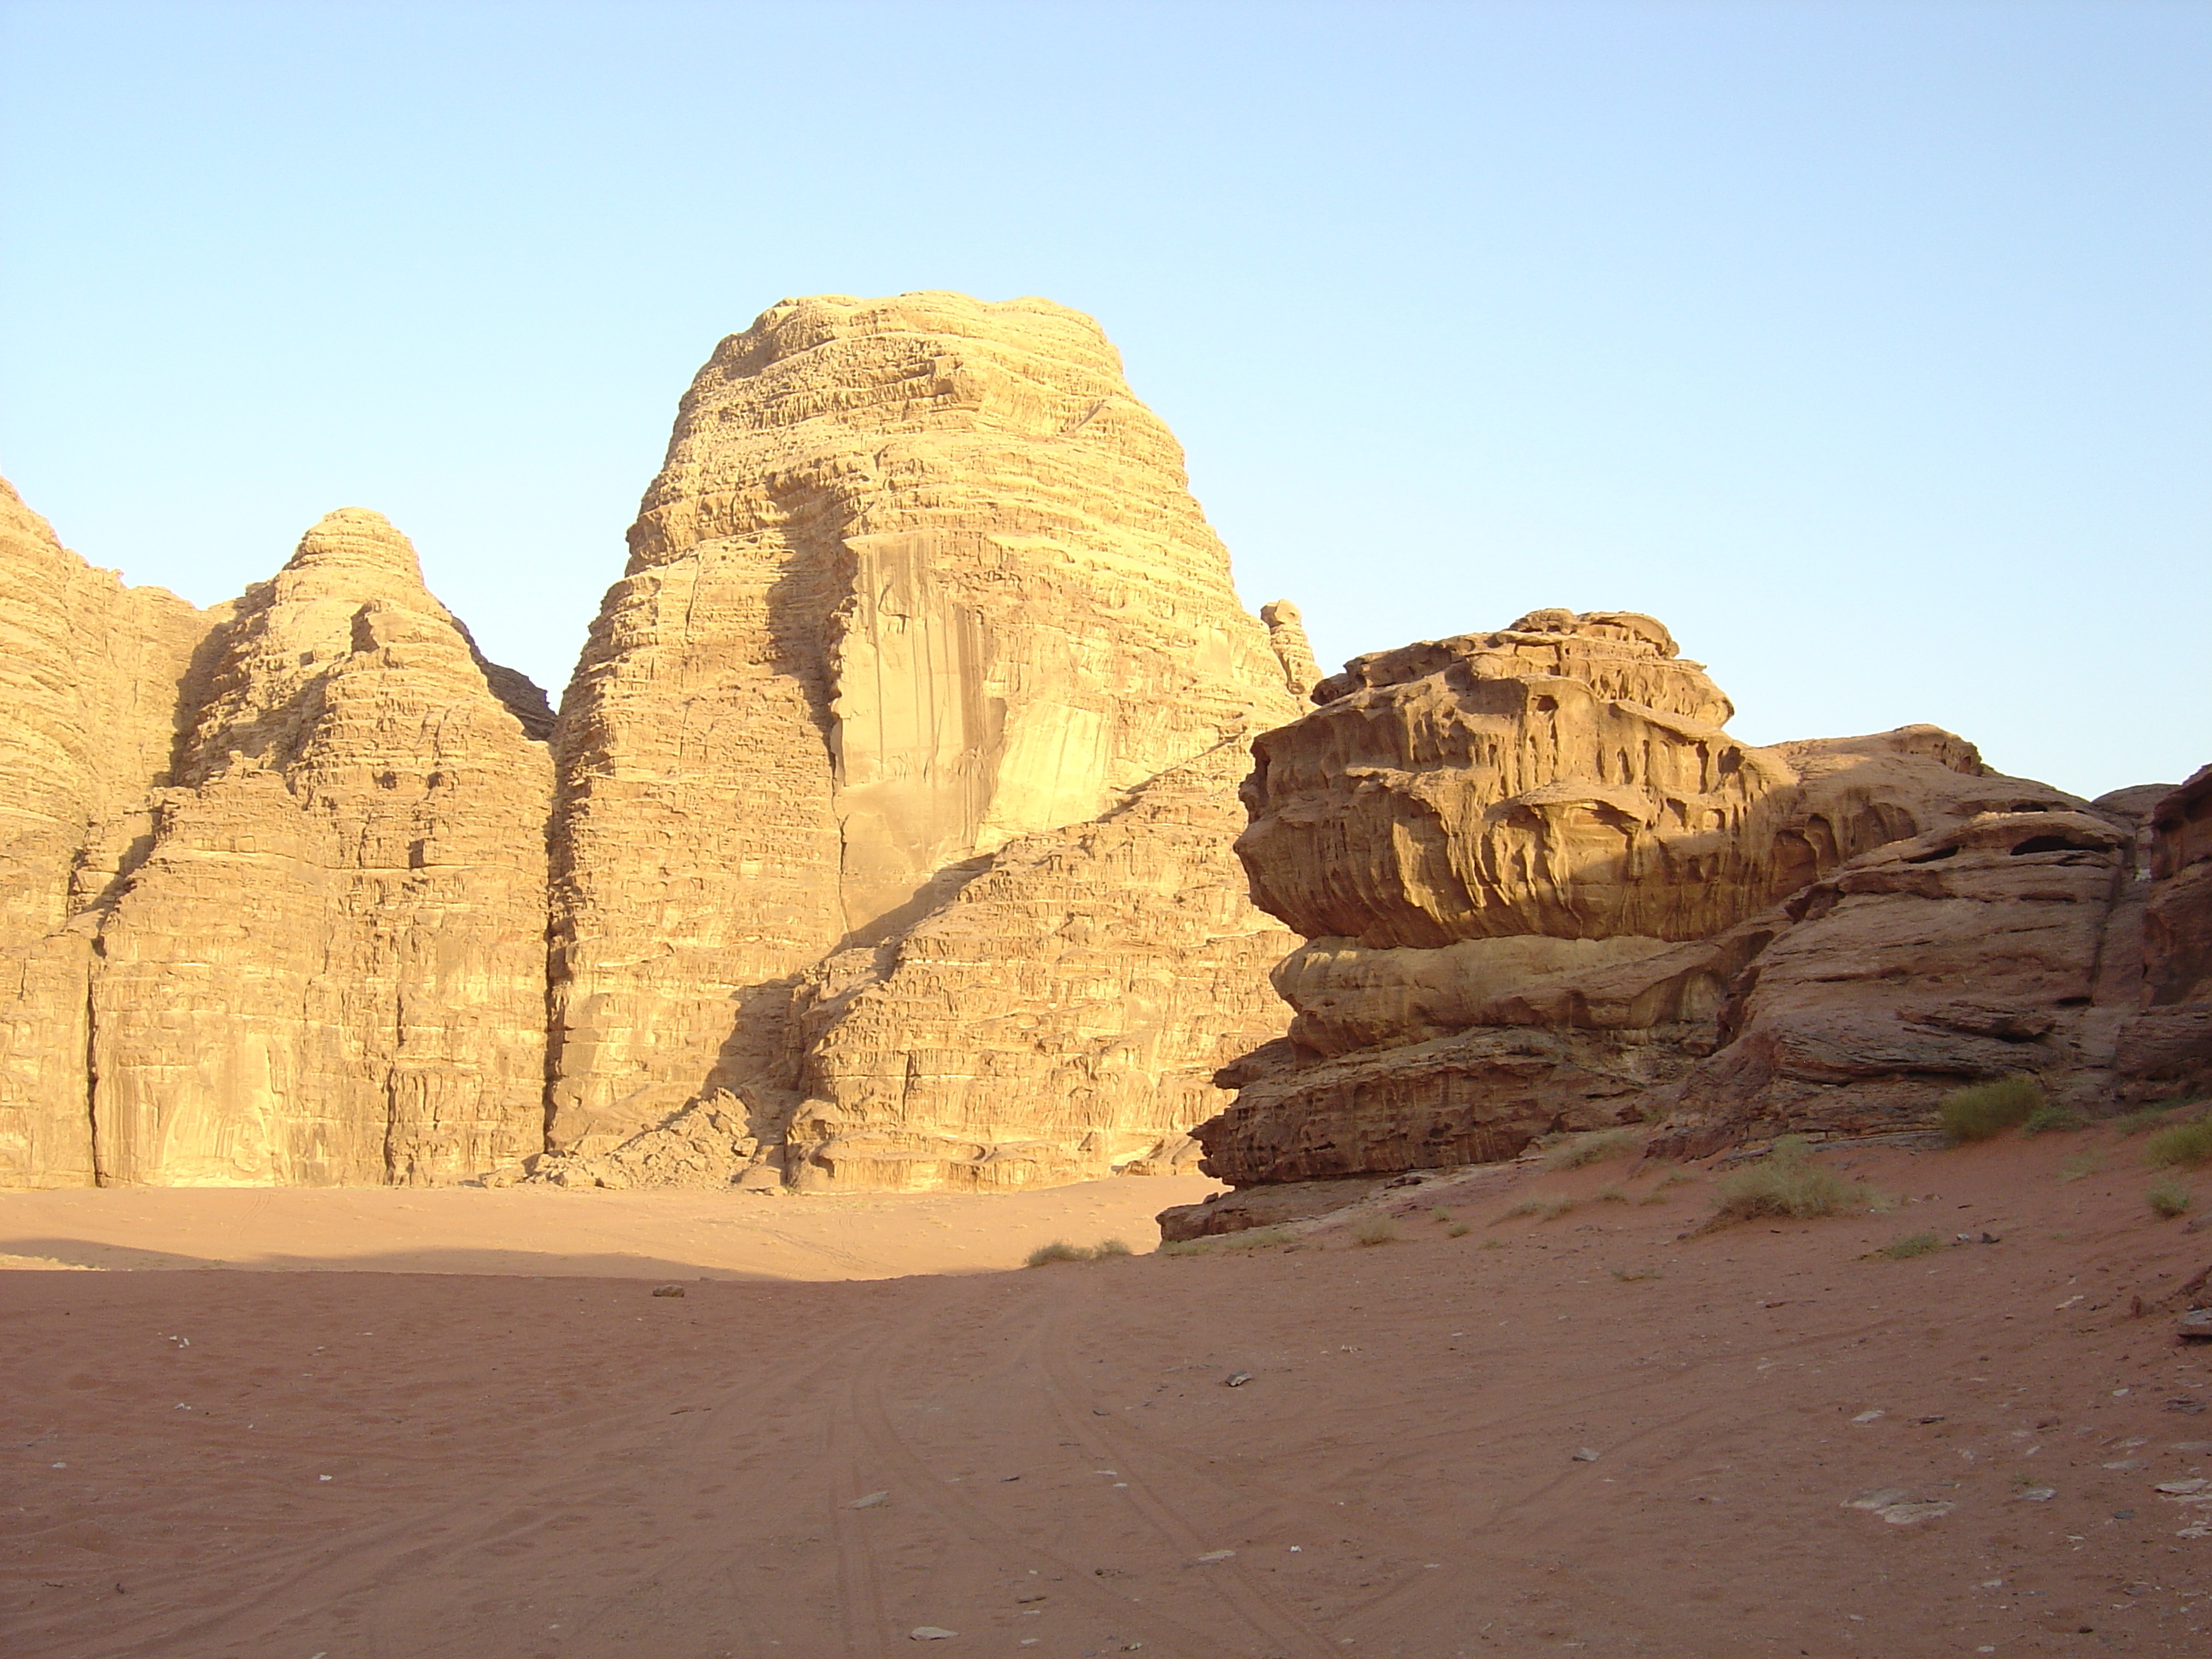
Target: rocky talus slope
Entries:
(877, 766)
(1542, 888)
(277, 876)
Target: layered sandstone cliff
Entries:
(276, 877)
(920, 622)
(1543, 890)
(91, 680)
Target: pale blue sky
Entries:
(1866, 343)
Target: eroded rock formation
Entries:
(276, 877)
(1543, 889)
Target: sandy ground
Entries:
(1585, 1434)
(550, 1231)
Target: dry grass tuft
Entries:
(1912, 1244)
(2182, 1146)
(2143, 1118)
(1786, 1182)
(1061, 1250)
(1544, 1209)
(2168, 1199)
(1593, 1148)
(1375, 1230)
(2051, 1118)
(1458, 1230)
(1984, 1109)
(1254, 1238)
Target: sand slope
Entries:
(575, 1466)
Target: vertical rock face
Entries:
(90, 678)
(328, 965)
(920, 582)
(1061, 1017)
(276, 877)
(1542, 888)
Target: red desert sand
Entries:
(1602, 1432)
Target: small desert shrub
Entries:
(1440, 1214)
(1254, 1238)
(1544, 1209)
(1593, 1148)
(1061, 1250)
(1785, 1182)
(1983, 1109)
(2168, 1199)
(1667, 1182)
(2182, 1145)
(1912, 1244)
(2143, 1118)
(1375, 1230)
(2051, 1118)
(1459, 1229)
(1633, 1275)
(1612, 1195)
(2081, 1164)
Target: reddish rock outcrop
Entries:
(1543, 890)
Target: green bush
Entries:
(1593, 1148)
(2168, 1199)
(1912, 1244)
(2183, 1145)
(1983, 1109)
(1110, 1246)
(1785, 1182)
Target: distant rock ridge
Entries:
(1542, 890)
(883, 838)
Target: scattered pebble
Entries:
(669, 1289)
(1584, 1455)
(2035, 1495)
(931, 1633)
(1237, 1379)
(1223, 1555)
(1869, 1417)
(874, 1500)
(1907, 1515)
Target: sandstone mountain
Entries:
(1542, 888)
(883, 839)
(921, 583)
